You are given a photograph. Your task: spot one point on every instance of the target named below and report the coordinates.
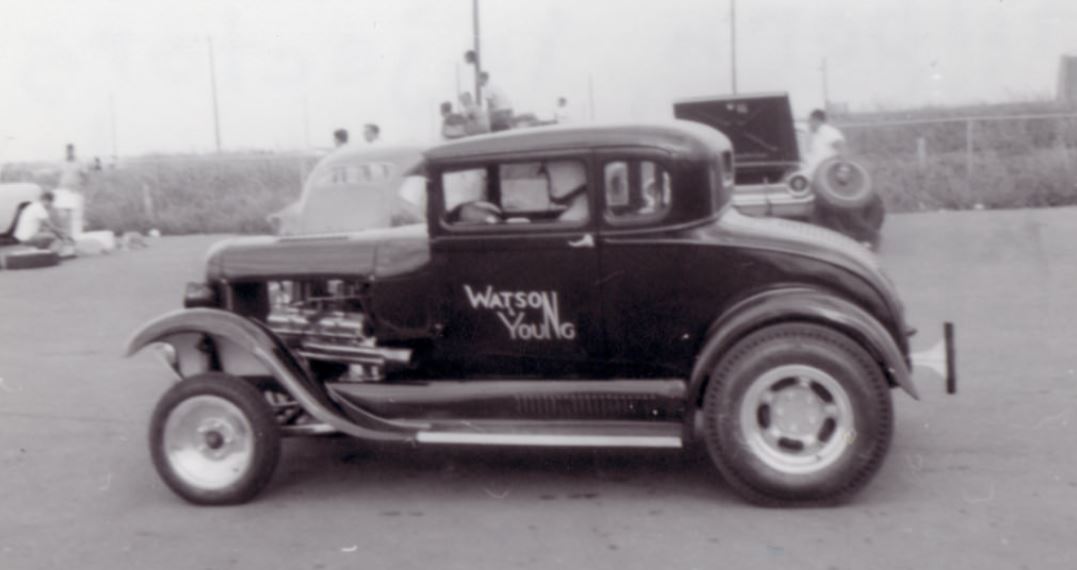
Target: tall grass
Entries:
(185, 195)
(1014, 164)
(1000, 162)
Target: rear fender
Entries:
(801, 305)
(240, 347)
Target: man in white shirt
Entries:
(826, 140)
(35, 226)
(498, 103)
(72, 174)
(561, 114)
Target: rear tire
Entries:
(214, 440)
(797, 414)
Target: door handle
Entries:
(587, 240)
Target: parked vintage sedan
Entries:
(774, 174)
(570, 287)
(357, 187)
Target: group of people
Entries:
(494, 113)
(371, 134)
(42, 224)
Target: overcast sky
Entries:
(289, 71)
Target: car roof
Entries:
(735, 98)
(680, 137)
(357, 153)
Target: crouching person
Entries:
(37, 226)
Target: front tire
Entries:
(797, 414)
(214, 440)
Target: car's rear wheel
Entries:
(797, 413)
(214, 440)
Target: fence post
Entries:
(921, 152)
(968, 157)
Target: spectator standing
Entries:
(67, 200)
(826, 140)
(561, 114)
(477, 121)
(498, 103)
(371, 133)
(340, 137)
(72, 174)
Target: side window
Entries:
(636, 191)
(520, 193)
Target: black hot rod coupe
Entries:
(571, 287)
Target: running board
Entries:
(666, 435)
(518, 400)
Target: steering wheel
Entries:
(477, 212)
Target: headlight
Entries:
(799, 185)
(199, 295)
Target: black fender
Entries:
(246, 348)
(800, 305)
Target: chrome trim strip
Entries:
(308, 429)
(549, 440)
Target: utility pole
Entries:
(112, 120)
(306, 123)
(591, 95)
(733, 42)
(826, 87)
(478, 56)
(213, 86)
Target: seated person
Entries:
(568, 188)
(36, 226)
(453, 125)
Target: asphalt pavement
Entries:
(984, 479)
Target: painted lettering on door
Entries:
(527, 315)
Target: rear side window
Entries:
(637, 191)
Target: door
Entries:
(642, 268)
(515, 251)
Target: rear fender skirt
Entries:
(242, 347)
(804, 305)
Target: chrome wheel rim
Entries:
(208, 442)
(797, 419)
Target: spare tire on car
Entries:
(842, 184)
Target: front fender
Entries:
(801, 304)
(243, 348)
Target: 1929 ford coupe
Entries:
(570, 287)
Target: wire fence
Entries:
(1020, 160)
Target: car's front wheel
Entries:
(214, 440)
(797, 413)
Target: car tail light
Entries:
(799, 185)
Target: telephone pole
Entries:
(478, 56)
(213, 87)
(826, 86)
(733, 42)
(112, 120)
